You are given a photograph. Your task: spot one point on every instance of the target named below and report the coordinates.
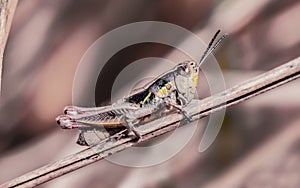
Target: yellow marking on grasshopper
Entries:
(145, 99)
(195, 79)
(163, 92)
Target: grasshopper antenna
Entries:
(211, 46)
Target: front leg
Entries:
(170, 102)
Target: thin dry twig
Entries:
(7, 10)
(234, 95)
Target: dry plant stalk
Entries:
(7, 9)
(257, 85)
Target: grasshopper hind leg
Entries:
(69, 122)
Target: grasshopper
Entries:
(173, 89)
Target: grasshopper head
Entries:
(187, 68)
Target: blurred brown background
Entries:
(259, 143)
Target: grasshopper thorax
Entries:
(186, 80)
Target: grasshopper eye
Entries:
(192, 63)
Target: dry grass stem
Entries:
(7, 9)
(257, 85)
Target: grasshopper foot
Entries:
(187, 116)
(131, 127)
